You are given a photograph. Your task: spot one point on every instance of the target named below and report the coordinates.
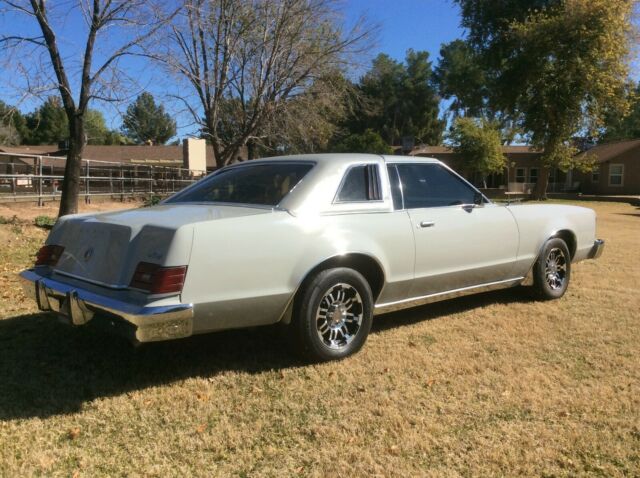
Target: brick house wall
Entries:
(616, 172)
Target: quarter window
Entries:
(362, 183)
(431, 185)
(616, 174)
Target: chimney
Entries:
(194, 155)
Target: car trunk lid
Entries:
(105, 248)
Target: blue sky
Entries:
(402, 24)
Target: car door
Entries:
(458, 244)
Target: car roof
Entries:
(339, 159)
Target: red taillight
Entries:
(49, 255)
(158, 280)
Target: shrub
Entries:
(45, 222)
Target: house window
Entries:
(616, 174)
(595, 174)
(521, 175)
(533, 175)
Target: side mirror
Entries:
(478, 199)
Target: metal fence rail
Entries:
(40, 178)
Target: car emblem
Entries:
(87, 254)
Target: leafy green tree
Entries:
(113, 137)
(47, 124)
(12, 125)
(557, 65)
(367, 142)
(95, 127)
(461, 79)
(398, 99)
(479, 144)
(617, 127)
(145, 121)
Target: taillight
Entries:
(158, 280)
(49, 255)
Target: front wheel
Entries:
(552, 270)
(332, 315)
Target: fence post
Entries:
(121, 183)
(40, 186)
(150, 182)
(12, 172)
(87, 199)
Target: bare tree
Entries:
(247, 60)
(120, 26)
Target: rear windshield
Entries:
(260, 184)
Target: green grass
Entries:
(487, 385)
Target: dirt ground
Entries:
(495, 384)
(29, 211)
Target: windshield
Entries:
(259, 184)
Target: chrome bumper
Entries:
(78, 306)
(596, 250)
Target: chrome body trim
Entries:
(78, 306)
(596, 250)
(427, 299)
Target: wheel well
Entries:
(364, 264)
(570, 239)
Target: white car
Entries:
(319, 243)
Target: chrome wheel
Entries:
(556, 268)
(339, 315)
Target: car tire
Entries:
(552, 270)
(332, 315)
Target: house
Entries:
(519, 176)
(37, 171)
(616, 169)
(194, 154)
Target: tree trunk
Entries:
(71, 184)
(251, 149)
(540, 191)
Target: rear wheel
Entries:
(332, 315)
(552, 270)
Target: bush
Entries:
(7, 220)
(152, 201)
(45, 222)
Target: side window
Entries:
(431, 185)
(396, 187)
(361, 183)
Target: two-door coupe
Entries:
(318, 243)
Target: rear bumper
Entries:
(78, 306)
(596, 250)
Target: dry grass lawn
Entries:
(494, 384)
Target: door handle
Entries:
(426, 224)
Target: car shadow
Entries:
(48, 368)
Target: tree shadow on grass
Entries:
(48, 368)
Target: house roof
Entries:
(158, 155)
(605, 152)
(35, 149)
